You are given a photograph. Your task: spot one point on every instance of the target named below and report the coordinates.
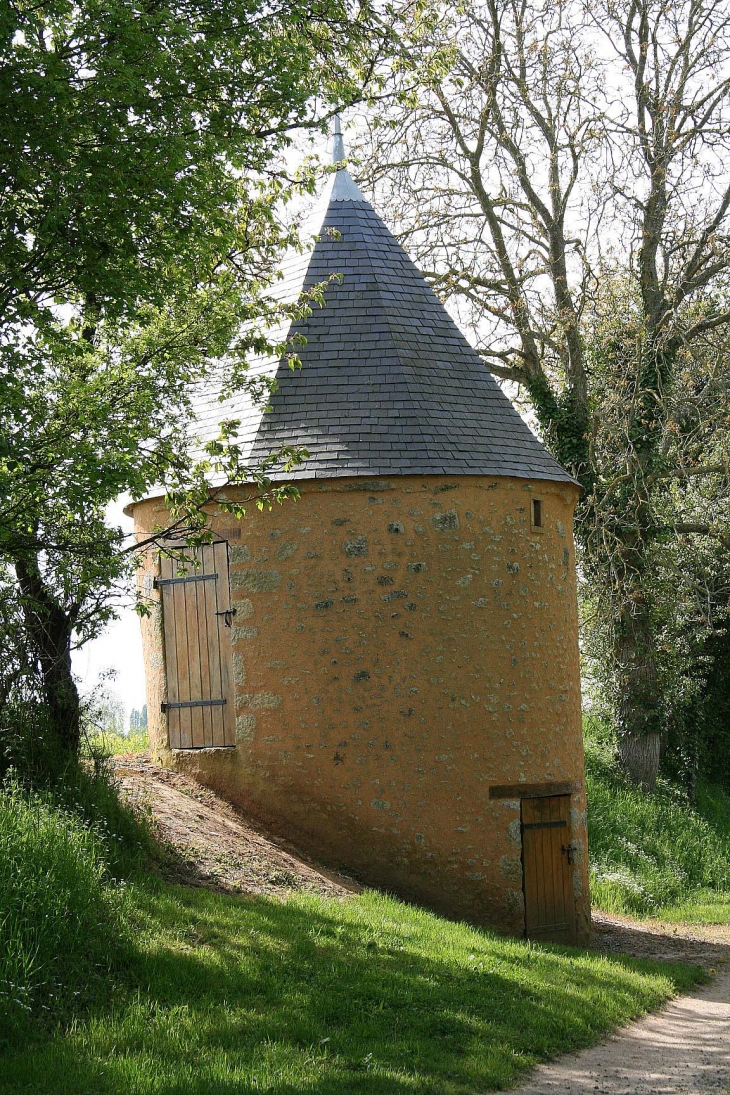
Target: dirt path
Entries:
(207, 842)
(707, 945)
(683, 1050)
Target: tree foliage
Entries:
(143, 174)
(560, 171)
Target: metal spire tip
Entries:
(338, 143)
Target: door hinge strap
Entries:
(178, 581)
(544, 824)
(193, 703)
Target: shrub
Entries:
(651, 851)
(66, 839)
(60, 912)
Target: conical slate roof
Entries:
(388, 384)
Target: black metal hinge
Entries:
(178, 581)
(193, 703)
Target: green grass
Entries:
(365, 996)
(704, 907)
(137, 987)
(655, 855)
(113, 744)
(62, 908)
(57, 905)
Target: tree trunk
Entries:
(638, 717)
(639, 756)
(49, 629)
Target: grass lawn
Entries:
(216, 995)
(657, 855)
(705, 907)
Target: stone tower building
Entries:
(386, 670)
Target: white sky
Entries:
(118, 649)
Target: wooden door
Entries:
(547, 855)
(196, 617)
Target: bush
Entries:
(66, 839)
(113, 743)
(650, 852)
(27, 744)
(31, 758)
(60, 912)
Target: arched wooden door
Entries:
(196, 617)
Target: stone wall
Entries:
(401, 646)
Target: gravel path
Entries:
(683, 1050)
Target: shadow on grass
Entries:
(363, 997)
(657, 940)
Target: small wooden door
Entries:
(196, 617)
(547, 855)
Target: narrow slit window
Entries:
(536, 513)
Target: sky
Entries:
(118, 649)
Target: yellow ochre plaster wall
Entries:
(400, 646)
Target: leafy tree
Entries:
(138, 719)
(143, 177)
(533, 150)
(686, 570)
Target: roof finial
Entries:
(338, 144)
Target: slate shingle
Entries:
(388, 381)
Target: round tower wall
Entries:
(404, 659)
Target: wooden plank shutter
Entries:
(547, 874)
(196, 617)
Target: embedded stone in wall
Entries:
(245, 728)
(244, 610)
(356, 547)
(514, 832)
(510, 866)
(514, 901)
(363, 485)
(238, 553)
(256, 581)
(261, 701)
(445, 522)
(239, 670)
